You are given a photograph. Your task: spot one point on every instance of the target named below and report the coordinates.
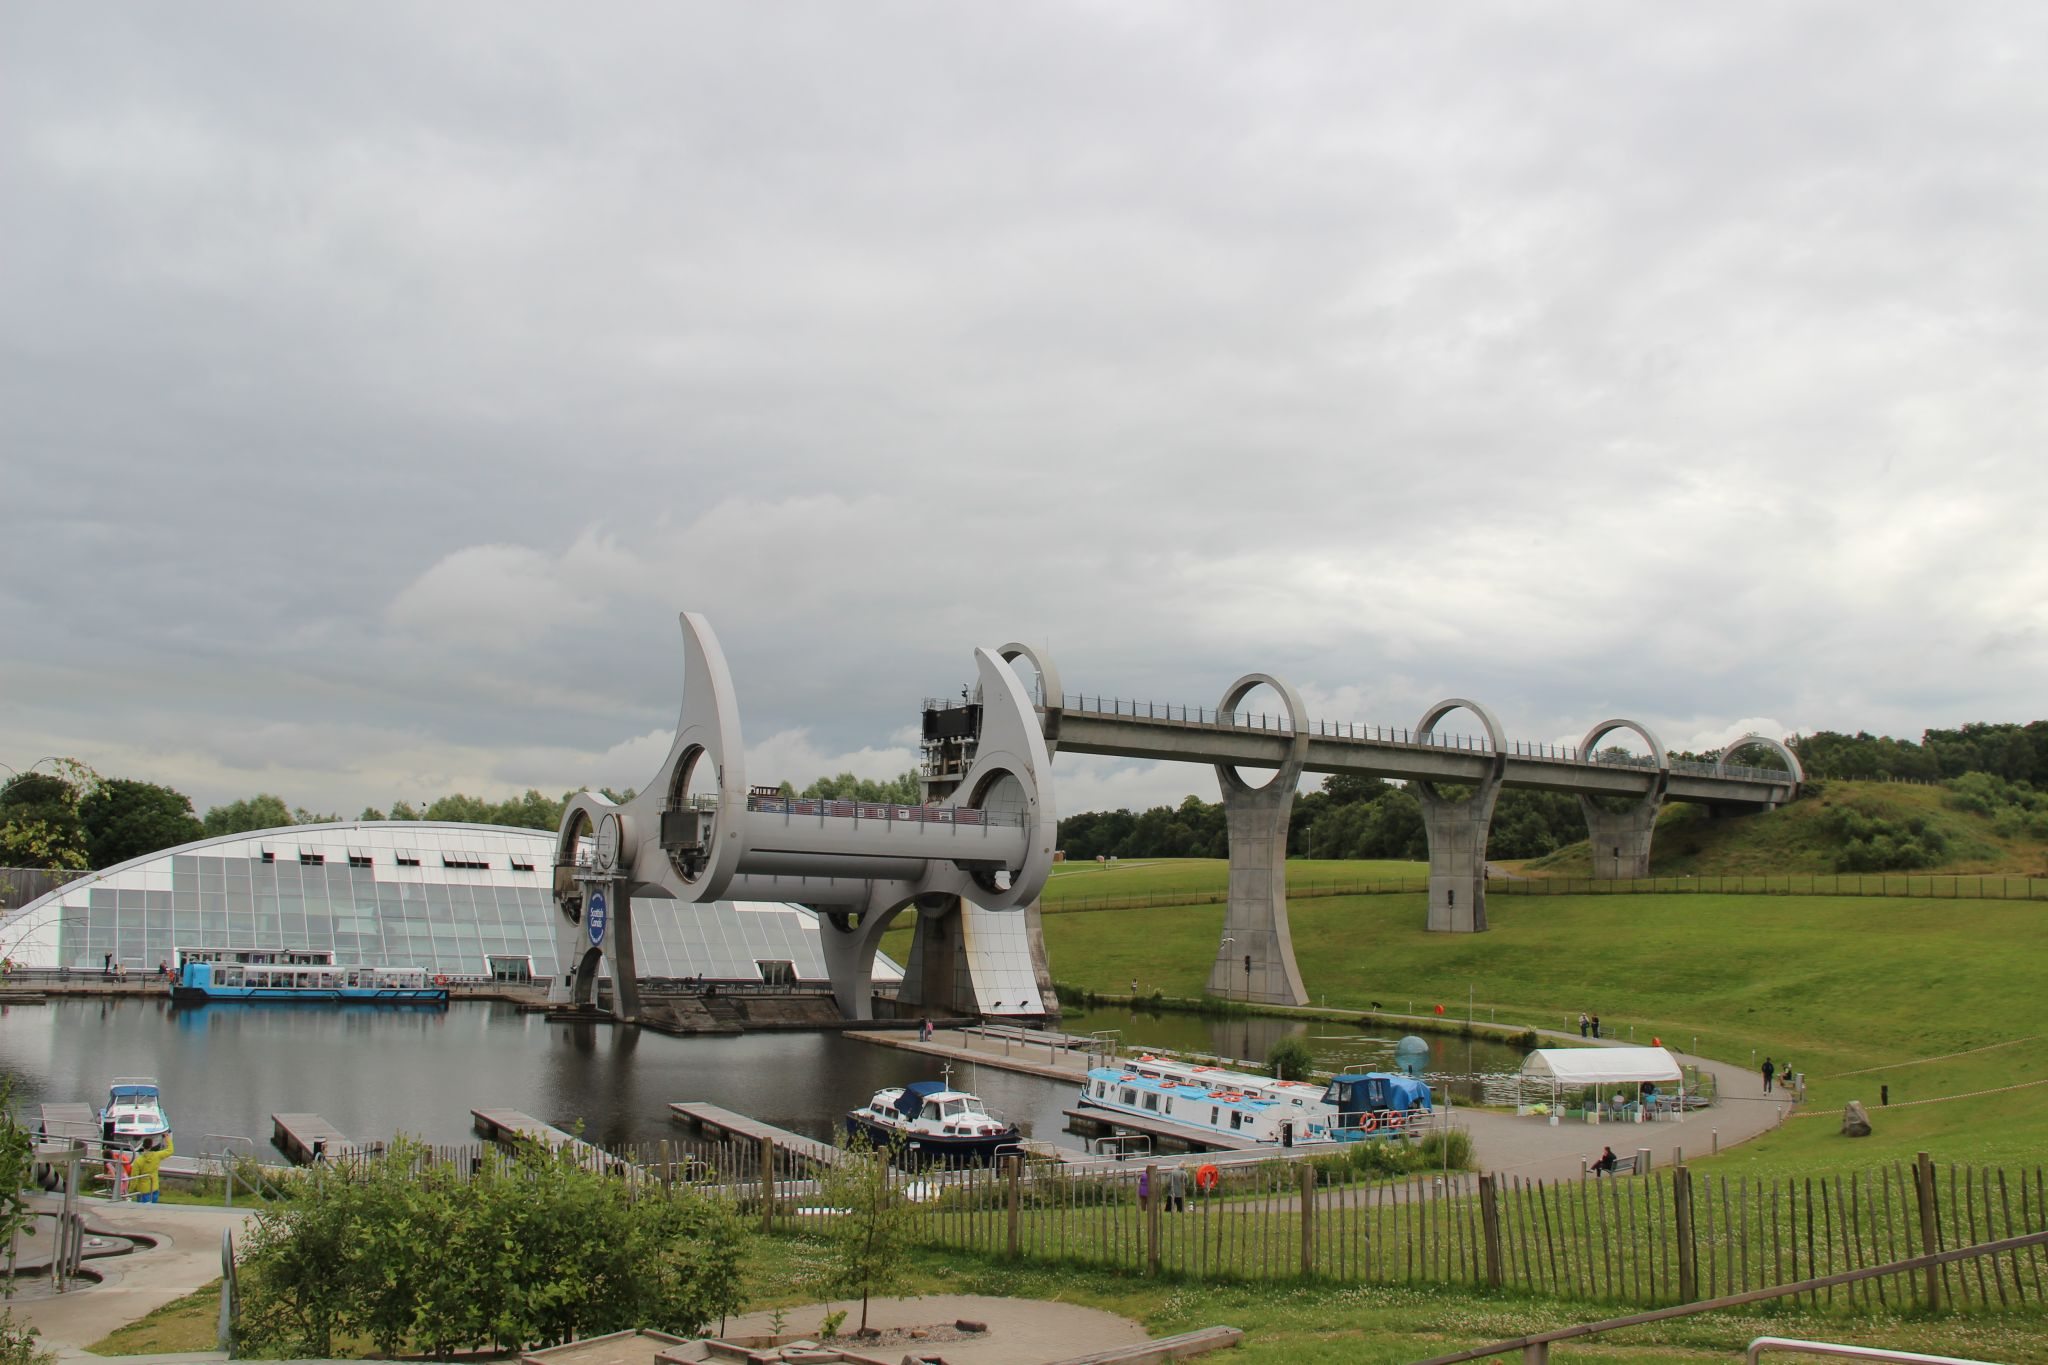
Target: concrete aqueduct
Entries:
(983, 840)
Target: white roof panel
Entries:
(1601, 1065)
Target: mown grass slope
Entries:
(1835, 984)
(1805, 836)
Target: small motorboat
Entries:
(134, 1113)
(929, 1122)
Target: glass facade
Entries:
(449, 898)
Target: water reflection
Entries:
(372, 1072)
(375, 1072)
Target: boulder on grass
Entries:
(1855, 1123)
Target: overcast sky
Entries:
(378, 381)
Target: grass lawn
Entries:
(1313, 1324)
(1837, 984)
(1072, 883)
(1371, 1324)
(186, 1324)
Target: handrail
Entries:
(1541, 1341)
(227, 1169)
(1209, 718)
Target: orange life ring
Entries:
(1369, 1124)
(1206, 1177)
(440, 981)
(1395, 1118)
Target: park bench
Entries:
(1161, 1349)
(1623, 1165)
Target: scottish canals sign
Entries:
(595, 916)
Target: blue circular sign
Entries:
(594, 917)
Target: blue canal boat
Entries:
(202, 981)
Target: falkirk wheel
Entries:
(697, 834)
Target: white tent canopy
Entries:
(1600, 1065)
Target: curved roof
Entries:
(1601, 1065)
(438, 894)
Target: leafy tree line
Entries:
(72, 818)
(1351, 817)
(1996, 770)
(2016, 753)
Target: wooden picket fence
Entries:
(1669, 1236)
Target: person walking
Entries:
(1769, 1071)
(1177, 1190)
(1596, 1026)
(1584, 1023)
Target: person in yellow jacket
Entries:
(144, 1184)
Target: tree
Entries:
(39, 825)
(1290, 1060)
(125, 819)
(901, 790)
(870, 1238)
(261, 811)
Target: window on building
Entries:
(405, 859)
(307, 859)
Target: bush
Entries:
(408, 1253)
(1290, 1060)
(18, 1343)
(1871, 843)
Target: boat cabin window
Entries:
(1215, 1116)
(1237, 1118)
(1101, 1089)
(1151, 1099)
(954, 1108)
(1130, 1096)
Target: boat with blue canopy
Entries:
(929, 1122)
(1259, 1109)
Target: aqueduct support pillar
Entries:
(1457, 831)
(1620, 839)
(599, 936)
(1255, 959)
(965, 960)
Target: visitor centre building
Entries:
(463, 901)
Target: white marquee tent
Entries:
(1601, 1065)
(1551, 1073)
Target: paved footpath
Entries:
(186, 1258)
(1534, 1148)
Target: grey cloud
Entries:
(397, 373)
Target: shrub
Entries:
(407, 1252)
(1290, 1060)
